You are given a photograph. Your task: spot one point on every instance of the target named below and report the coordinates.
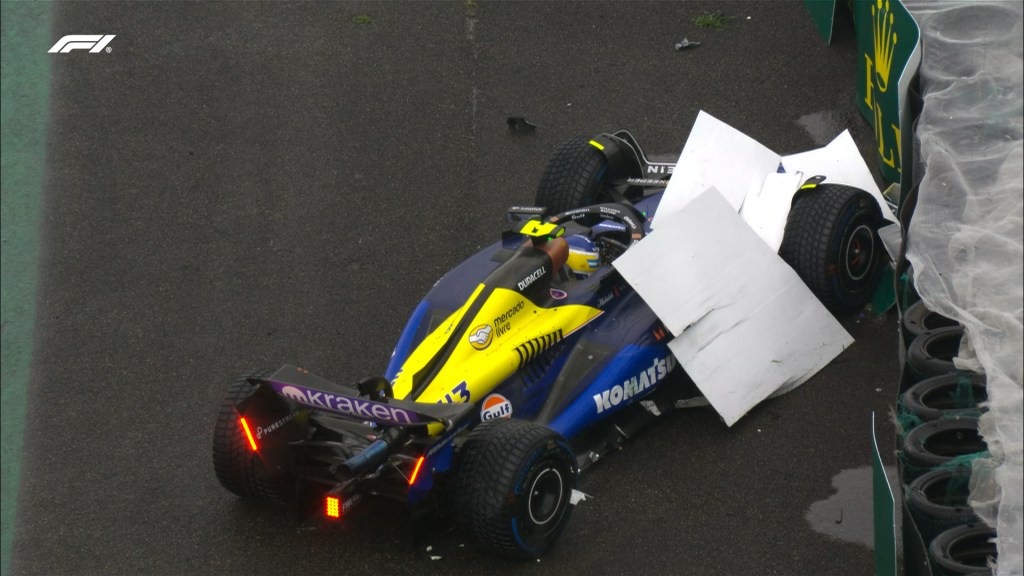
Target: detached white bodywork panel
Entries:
(746, 173)
(767, 210)
(840, 161)
(720, 156)
(746, 326)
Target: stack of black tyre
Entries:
(938, 413)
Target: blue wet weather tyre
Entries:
(831, 240)
(574, 177)
(513, 482)
(237, 467)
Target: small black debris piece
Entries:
(519, 124)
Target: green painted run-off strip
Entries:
(24, 87)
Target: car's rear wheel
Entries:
(513, 486)
(237, 466)
(574, 177)
(832, 242)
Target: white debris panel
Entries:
(746, 325)
(720, 156)
(756, 181)
(965, 236)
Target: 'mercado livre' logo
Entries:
(480, 337)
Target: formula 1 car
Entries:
(521, 367)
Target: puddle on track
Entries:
(847, 514)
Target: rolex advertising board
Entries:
(888, 40)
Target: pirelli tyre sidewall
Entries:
(512, 487)
(237, 467)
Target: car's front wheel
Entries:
(513, 486)
(574, 177)
(832, 242)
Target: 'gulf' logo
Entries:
(495, 406)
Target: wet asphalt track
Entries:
(241, 185)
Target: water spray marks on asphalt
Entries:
(471, 17)
(821, 126)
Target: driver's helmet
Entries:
(584, 257)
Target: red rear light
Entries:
(333, 507)
(416, 470)
(248, 434)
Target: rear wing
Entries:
(299, 386)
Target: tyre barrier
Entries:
(965, 549)
(938, 500)
(932, 353)
(918, 319)
(938, 442)
(957, 394)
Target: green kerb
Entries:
(25, 81)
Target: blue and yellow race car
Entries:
(521, 367)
